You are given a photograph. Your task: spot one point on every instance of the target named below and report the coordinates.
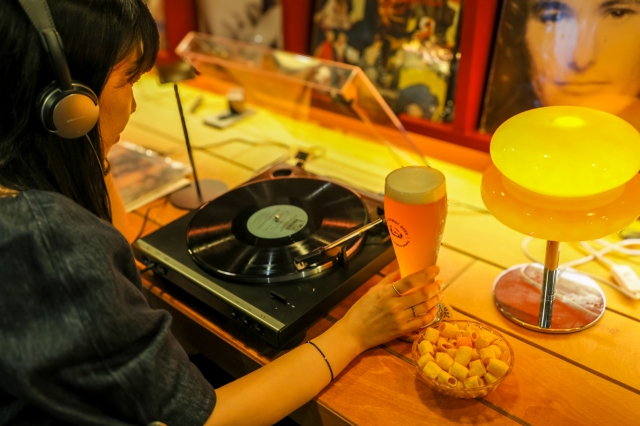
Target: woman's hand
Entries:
(379, 316)
(382, 314)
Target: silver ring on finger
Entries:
(395, 289)
(419, 315)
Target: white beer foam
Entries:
(415, 185)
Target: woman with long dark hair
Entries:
(78, 342)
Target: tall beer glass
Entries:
(415, 207)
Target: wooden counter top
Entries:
(587, 378)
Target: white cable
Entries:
(619, 272)
(525, 250)
(622, 274)
(629, 294)
(597, 254)
(619, 246)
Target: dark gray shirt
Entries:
(78, 342)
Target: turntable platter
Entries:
(253, 233)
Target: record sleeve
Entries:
(142, 175)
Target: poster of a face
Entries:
(565, 52)
(407, 48)
(256, 21)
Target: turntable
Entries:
(238, 252)
(276, 253)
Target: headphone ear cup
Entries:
(69, 114)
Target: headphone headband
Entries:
(40, 17)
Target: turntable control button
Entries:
(257, 328)
(246, 322)
(234, 315)
(278, 297)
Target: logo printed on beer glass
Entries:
(399, 232)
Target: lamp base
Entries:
(187, 197)
(579, 301)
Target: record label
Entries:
(277, 221)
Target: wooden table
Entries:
(590, 377)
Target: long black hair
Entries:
(509, 90)
(97, 35)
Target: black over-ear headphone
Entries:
(67, 108)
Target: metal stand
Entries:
(199, 192)
(550, 276)
(546, 299)
(193, 196)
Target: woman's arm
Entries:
(280, 387)
(78, 342)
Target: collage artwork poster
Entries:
(407, 48)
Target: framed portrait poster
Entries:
(407, 48)
(565, 52)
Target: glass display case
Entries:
(327, 109)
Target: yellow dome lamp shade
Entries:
(560, 219)
(565, 151)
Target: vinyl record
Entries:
(253, 233)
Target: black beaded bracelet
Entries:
(325, 358)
